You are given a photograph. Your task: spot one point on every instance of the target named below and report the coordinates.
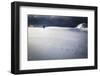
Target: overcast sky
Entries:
(60, 21)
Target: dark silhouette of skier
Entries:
(43, 26)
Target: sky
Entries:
(52, 20)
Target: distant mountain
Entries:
(82, 26)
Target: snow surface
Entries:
(56, 43)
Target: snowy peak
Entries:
(82, 26)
